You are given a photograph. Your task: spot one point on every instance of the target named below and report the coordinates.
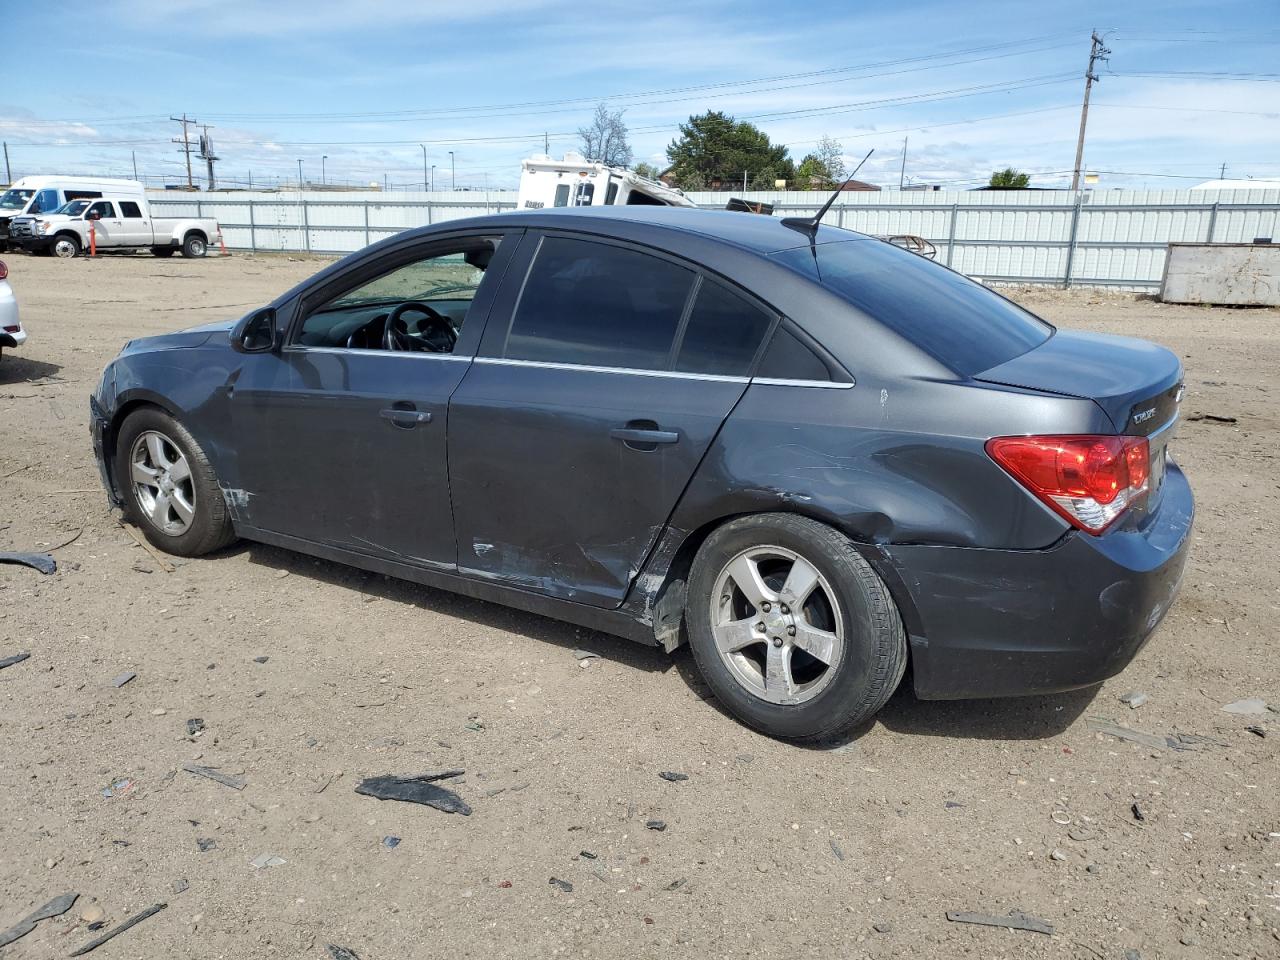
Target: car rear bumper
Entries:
(995, 623)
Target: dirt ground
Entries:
(770, 850)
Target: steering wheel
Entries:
(396, 336)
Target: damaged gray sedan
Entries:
(814, 456)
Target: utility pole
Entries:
(323, 158)
(8, 174)
(134, 157)
(186, 144)
(433, 178)
(546, 143)
(1222, 174)
(902, 174)
(453, 174)
(426, 177)
(207, 155)
(1097, 51)
(299, 174)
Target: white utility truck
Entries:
(37, 195)
(578, 182)
(119, 222)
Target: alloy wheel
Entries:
(162, 483)
(64, 248)
(777, 624)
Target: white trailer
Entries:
(578, 182)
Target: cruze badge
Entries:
(1144, 416)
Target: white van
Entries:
(578, 182)
(34, 195)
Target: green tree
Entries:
(714, 146)
(1009, 179)
(647, 170)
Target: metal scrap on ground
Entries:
(420, 789)
(340, 953)
(133, 921)
(10, 661)
(1016, 920)
(43, 562)
(233, 782)
(54, 908)
(672, 777)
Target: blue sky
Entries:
(1190, 85)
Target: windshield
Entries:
(15, 199)
(960, 322)
(73, 208)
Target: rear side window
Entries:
(723, 334)
(961, 323)
(787, 358)
(600, 305)
(130, 210)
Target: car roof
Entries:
(750, 231)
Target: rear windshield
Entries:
(963, 324)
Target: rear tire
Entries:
(194, 245)
(818, 651)
(65, 246)
(162, 251)
(168, 486)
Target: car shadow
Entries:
(16, 369)
(494, 615)
(1014, 718)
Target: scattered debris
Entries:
(234, 782)
(118, 788)
(145, 544)
(391, 842)
(54, 908)
(952, 805)
(194, 725)
(659, 825)
(474, 724)
(1257, 730)
(124, 678)
(1016, 920)
(585, 655)
(1057, 855)
(43, 562)
(340, 953)
(564, 885)
(882, 927)
(677, 884)
(420, 789)
(1138, 814)
(672, 777)
(1061, 818)
(1134, 699)
(205, 844)
(1132, 954)
(1248, 707)
(1124, 733)
(10, 661)
(261, 659)
(180, 885)
(587, 854)
(264, 860)
(1211, 418)
(133, 921)
(281, 574)
(835, 849)
(93, 914)
(1193, 741)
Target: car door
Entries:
(135, 229)
(108, 228)
(339, 440)
(575, 431)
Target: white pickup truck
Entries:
(118, 223)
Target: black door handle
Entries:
(405, 418)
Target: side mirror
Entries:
(93, 215)
(256, 333)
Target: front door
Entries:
(108, 228)
(571, 441)
(340, 438)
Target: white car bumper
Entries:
(11, 332)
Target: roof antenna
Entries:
(809, 227)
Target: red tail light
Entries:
(1090, 480)
(4, 271)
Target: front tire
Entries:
(792, 629)
(66, 246)
(169, 487)
(194, 245)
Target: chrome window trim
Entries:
(675, 374)
(371, 351)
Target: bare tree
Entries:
(605, 138)
(830, 154)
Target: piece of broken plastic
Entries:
(43, 562)
(420, 789)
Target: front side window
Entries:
(419, 306)
(104, 209)
(45, 201)
(73, 208)
(130, 210)
(599, 305)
